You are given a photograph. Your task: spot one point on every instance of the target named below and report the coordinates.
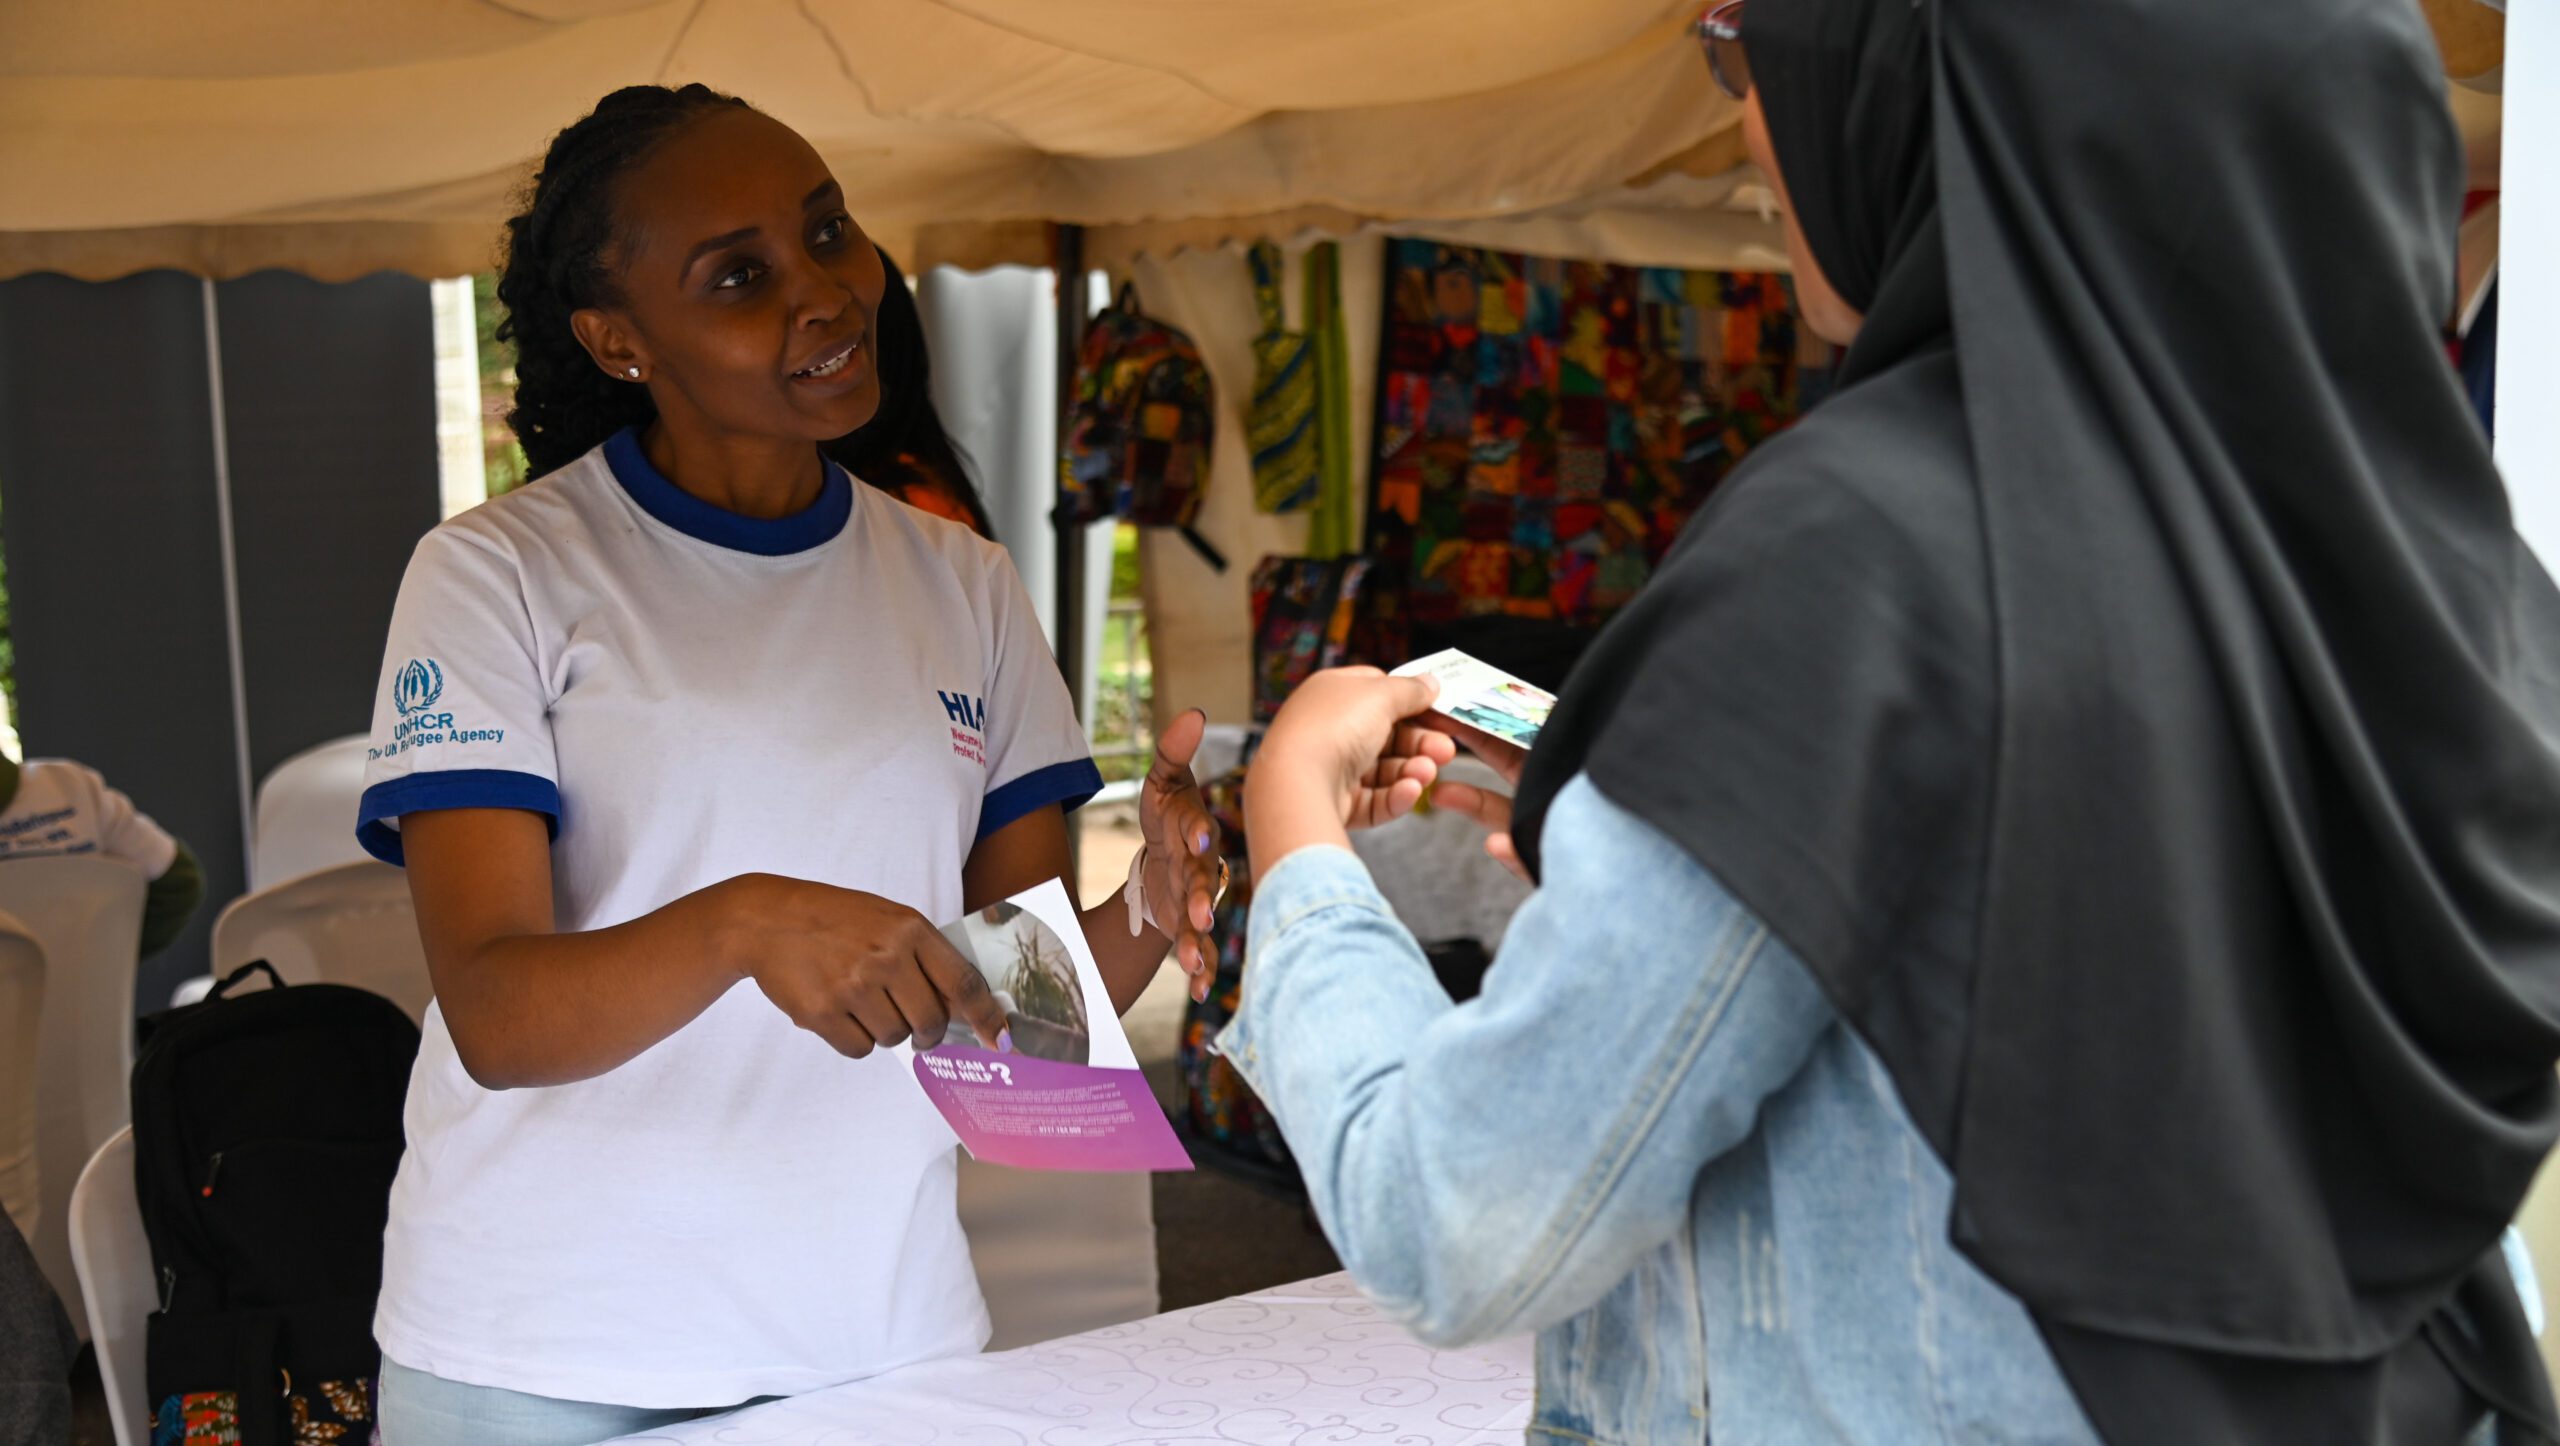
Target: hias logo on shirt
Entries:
(968, 712)
(417, 685)
(968, 725)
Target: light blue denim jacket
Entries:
(1651, 1141)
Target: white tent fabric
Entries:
(341, 139)
(1200, 621)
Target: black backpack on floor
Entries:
(266, 1129)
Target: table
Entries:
(1300, 1364)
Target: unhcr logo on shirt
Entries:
(414, 691)
(417, 685)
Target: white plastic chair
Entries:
(113, 1258)
(1058, 1254)
(21, 1016)
(86, 912)
(306, 813)
(347, 924)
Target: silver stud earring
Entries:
(632, 372)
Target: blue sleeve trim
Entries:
(449, 788)
(1068, 783)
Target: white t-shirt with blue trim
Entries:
(855, 694)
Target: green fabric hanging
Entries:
(1280, 420)
(1333, 526)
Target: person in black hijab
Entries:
(2127, 698)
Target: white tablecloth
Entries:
(1302, 1364)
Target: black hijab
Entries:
(2130, 698)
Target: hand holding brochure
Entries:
(1068, 1095)
(1484, 697)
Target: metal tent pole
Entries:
(1068, 635)
(1068, 638)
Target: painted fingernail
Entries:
(1004, 1041)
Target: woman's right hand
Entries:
(854, 969)
(1490, 809)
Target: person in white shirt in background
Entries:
(53, 806)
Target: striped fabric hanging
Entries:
(1280, 419)
(1333, 524)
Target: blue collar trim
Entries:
(811, 526)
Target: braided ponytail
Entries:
(557, 264)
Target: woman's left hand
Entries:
(1343, 754)
(1182, 866)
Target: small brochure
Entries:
(1068, 1095)
(1483, 696)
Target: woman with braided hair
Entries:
(695, 710)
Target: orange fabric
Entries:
(926, 498)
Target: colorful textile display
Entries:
(1546, 427)
(1304, 613)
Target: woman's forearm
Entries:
(1500, 1165)
(1129, 962)
(548, 1009)
(1290, 805)
(1033, 850)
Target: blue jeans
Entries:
(423, 1410)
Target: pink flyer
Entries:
(1068, 1094)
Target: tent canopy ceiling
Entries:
(339, 139)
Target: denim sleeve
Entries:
(1498, 1166)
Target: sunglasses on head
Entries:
(1719, 33)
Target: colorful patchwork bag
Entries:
(1140, 426)
(1306, 614)
(266, 1130)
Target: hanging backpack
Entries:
(266, 1130)
(1139, 430)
